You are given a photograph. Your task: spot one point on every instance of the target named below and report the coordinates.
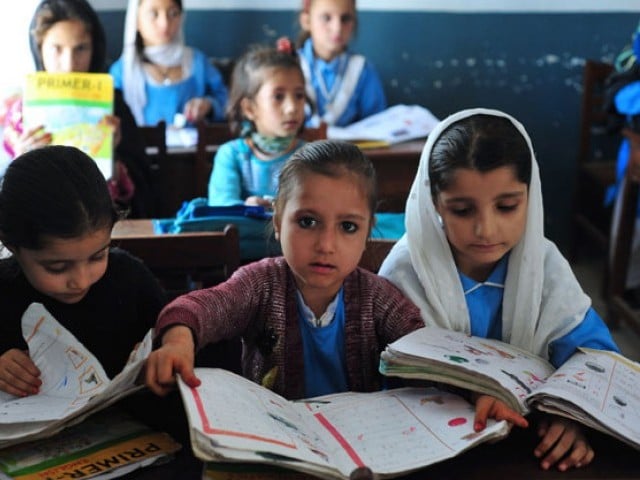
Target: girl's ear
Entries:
(276, 225)
(304, 21)
(246, 106)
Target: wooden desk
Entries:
(395, 166)
(511, 458)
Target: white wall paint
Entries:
(411, 5)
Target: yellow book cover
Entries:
(72, 106)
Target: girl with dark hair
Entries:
(66, 36)
(159, 74)
(311, 322)
(266, 110)
(475, 259)
(56, 216)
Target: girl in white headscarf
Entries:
(159, 75)
(474, 259)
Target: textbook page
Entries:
(480, 364)
(73, 381)
(72, 107)
(392, 432)
(396, 124)
(600, 389)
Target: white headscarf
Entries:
(133, 75)
(542, 298)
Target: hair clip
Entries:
(284, 45)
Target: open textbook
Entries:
(74, 383)
(392, 432)
(394, 125)
(109, 444)
(597, 388)
(72, 106)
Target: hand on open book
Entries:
(490, 407)
(18, 374)
(562, 440)
(174, 357)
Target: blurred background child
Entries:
(344, 87)
(159, 74)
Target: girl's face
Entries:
(330, 24)
(277, 110)
(484, 215)
(67, 47)
(66, 268)
(159, 21)
(323, 229)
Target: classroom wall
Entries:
(528, 63)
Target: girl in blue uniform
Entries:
(159, 75)
(475, 259)
(343, 87)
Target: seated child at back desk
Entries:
(266, 110)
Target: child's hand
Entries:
(254, 200)
(175, 356)
(31, 139)
(18, 374)
(561, 437)
(113, 122)
(196, 109)
(491, 407)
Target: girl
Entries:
(475, 259)
(66, 36)
(55, 218)
(311, 322)
(266, 109)
(160, 76)
(344, 87)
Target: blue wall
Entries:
(529, 65)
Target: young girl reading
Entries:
(344, 87)
(475, 259)
(56, 218)
(159, 74)
(311, 322)
(266, 110)
(66, 36)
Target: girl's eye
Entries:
(279, 96)
(56, 268)
(349, 227)
(307, 222)
(98, 257)
(326, 17)
(508, 208)
(346, 19)
(461, 211)
(174, 13)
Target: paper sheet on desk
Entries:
(74, 382)
(186, 137)
(394, 125)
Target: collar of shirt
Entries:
(496, 278)
(326, 318)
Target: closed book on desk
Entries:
(597, 388)
(72, 107)
(107, 445)
(392, 432)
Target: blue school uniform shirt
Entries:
(325, 365)
(368, 97)
(164, 101)
(484, 302)
(238, 173)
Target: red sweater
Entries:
(258, 303)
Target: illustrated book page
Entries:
(392, 432)
(72, 107)
(74, 383)
(479, 364)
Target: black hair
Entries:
(53, 191)
(50, 12)
(480, 142)
(250, 72)
(331, 158)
